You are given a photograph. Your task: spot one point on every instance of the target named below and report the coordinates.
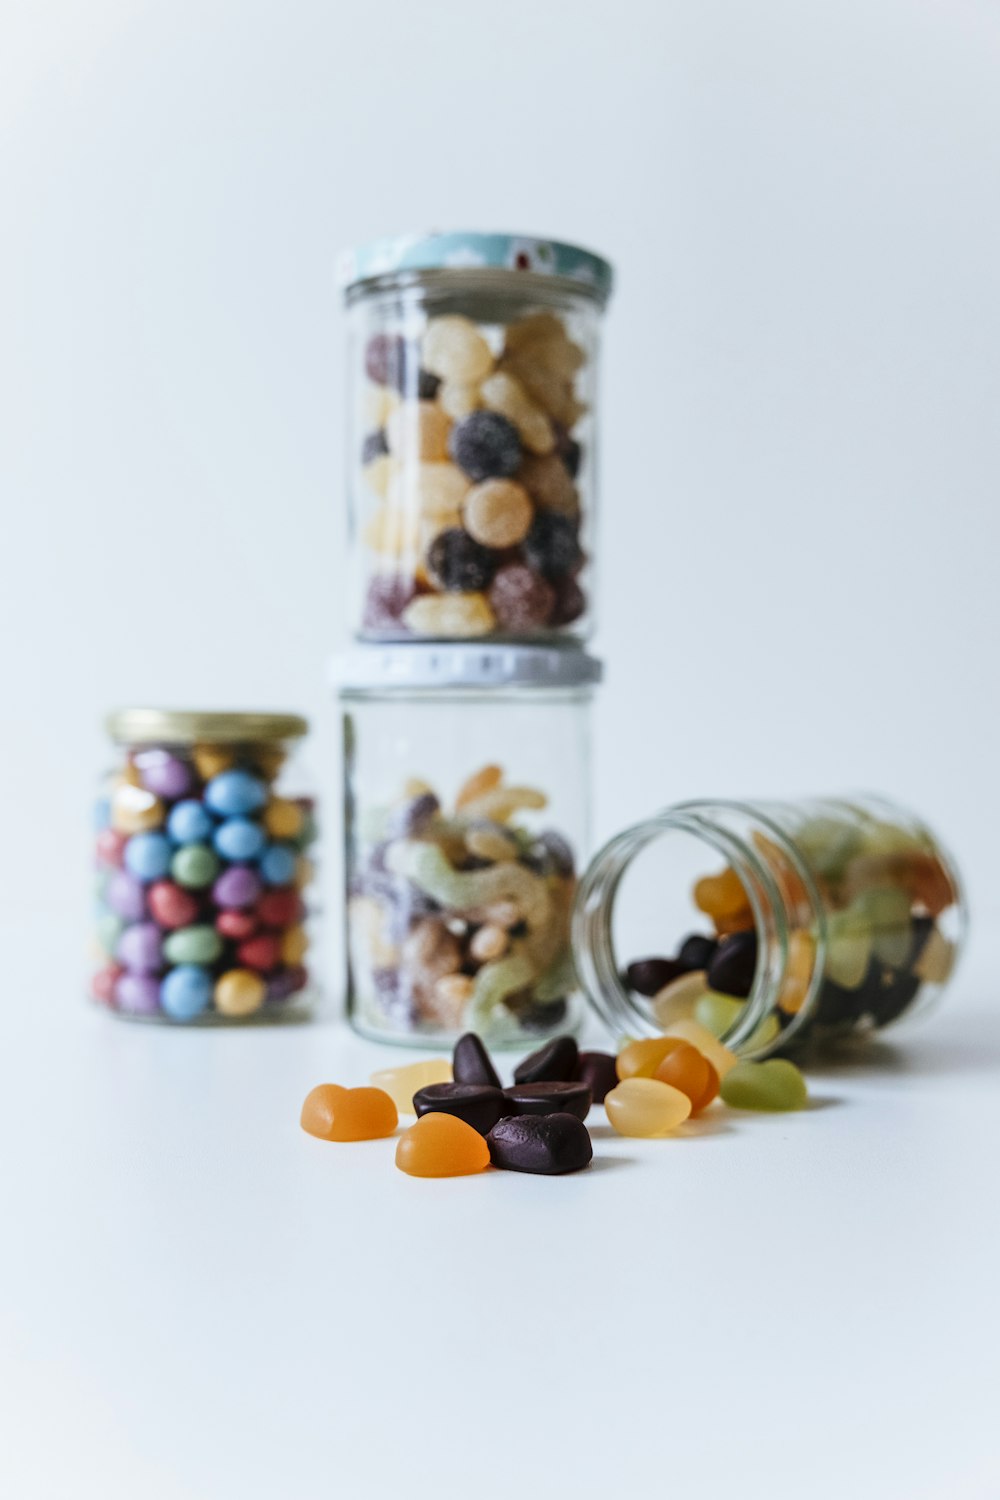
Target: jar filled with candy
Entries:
(466, 794)
(472, 466)
(204, 830)
(774, 925)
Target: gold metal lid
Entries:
(167, 726)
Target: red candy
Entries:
(102, 984)
(261, 953)
(238, 925)
(171, 906)
(280, 908)
(110, 847)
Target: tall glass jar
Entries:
(466, 788)
(204, 828)
(472, 436)
(776, 924)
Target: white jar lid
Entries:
(460, 665)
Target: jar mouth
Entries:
(599, 965)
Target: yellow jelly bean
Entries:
(678, 999)
(646, 1107)
(401, 1083)
(708, 1045)
(239, 992)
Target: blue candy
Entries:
(231, 794)
(102, 813)
(186, 992)
(189, 823)
(277, 864)
(148, 855)
(239, 839)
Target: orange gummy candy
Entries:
(441, 1145)
(641, 1059)
(723, 897)
(684, 1068)
(333, 1113)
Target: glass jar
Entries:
(472, 463)
(203, 831)
(775, 924)
(466, 776)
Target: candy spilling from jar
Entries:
(459, 918)
(471, 458)
(201, 876)
(467, 1120)
(883, 890)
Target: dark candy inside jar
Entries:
(202, 841)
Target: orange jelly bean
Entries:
(332, 1113)
(723, 898)
(640, 1059)
(440, 1145)
(684, 1068)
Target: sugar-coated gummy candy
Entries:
(492, 842)
(427, 489)
(556, 1062)
(543, 1145)
(332, 1113)
(487, 779)
(646, 1107)
(239, 839)
(548, 1099)
(235, 793)
(773, 1085)
(189, 822)
(454, 349)
(277, 864)
(138, 994)
(374, 445)
(126, 896)
(935, 959)
(721, 1058)
(418, 429)
(549, 485)
(552, 546)
(477, 1104)
(403, 1082)
(732, 969)
(687, 1069)
(471, 1063)
(486, 445)
(140, 948)
(239, 992)
(450, 615)
(283, 819)
(678, 999)
(134, 809)
(569, 450)
(489, 942)
(441, 1145)
(597, 1070)
(647, 976)
(718, 1013)
(197, 944)
(148, 856)
(521, 599)
(186, 992)
(503, 393)
(237, 886)
(458, 398)
(387, 598)
(570, 602)
(194, 866)
(457, 563)
(497, 513)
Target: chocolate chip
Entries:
(471, 1063)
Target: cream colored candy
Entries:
(498, 513)
(393, 532)
(419, 429)
(401, 1083)
(709, 1046)
(448, 615)
(491, 841)
(679, 998)
(430, 951)
(502, 393)
(459, 400)
(937, 959)
(367, 923)
(501, 803)
(454, 348)
(645, 1107)
(378, 403)
(430, 488)
(549, 484)
(489, 943)
(380, 473)
(452, 994)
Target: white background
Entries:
(799, 546)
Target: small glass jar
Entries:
(472, 463)
(204, 829)
(775, 924)
(466, 785)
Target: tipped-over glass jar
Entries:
(773, 924)
(202, 840)
(466, 781)
(472, 470)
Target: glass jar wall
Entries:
(466, 796)
(774, 924)
(472, 465)
(203, 840)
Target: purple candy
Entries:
(139, 948)
(238, 886)
(126, 897)
(139, 994)
(163, 774)
(283, 984)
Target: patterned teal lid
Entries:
(465, 249)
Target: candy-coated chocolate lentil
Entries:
(440, 1145)
(543, 1145)
(718, 1013)
(239, 839)
(148, 855)
(170, 905)
(646, 1107)
(708, 1045)
(262, 952)
(138, 994)
(283, 819)
(678, 999)
(773, 1085)
(186, 992)
(471, 1063)
(134, 810)
(278, 864)
(195, 866)
(279, 908)
(237, 886)
(685, 1068)
(232, 794)
(239, 992)
(476, 1103)
(190, 823)
(597, 1070)
(332, 1113)
(403, 1082)
(212, 760)
(163, 774)
(554, 1063)
(236, 925)
(108, 932)
(125, 896)
(547, 1099)
(198, 944)
(140, 948)
(103, 981)
(111, 847)
(294, 945)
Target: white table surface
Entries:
(198, 1300)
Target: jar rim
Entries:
(465, 250)
(150, 726)
(463, 667)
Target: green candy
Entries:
(763, 1034)
(849, 947)
(199, 944)
(773, 1085)
(718, 1013)
(109, 930)
(828, 844)
(194, 866)
(887, 911)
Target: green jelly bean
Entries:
(762, 1035)
(194, 866)
(773, 1085)
(849, 948)
(718, 1013)
(828, 844)
(199, 944)
(887, 911)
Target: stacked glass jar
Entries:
(472, 474)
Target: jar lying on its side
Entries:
(466, 794)
(472, 382)
(826, 918)
(202, 833)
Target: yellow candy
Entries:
(393, 531)
(401, 1083)
(503, 394)
(239, 992)
(459, 400)
(419, 429)
(936, 960)
(798, 972)
(134, 810)
(708, 1045)
(305, 871)
(212, 760)
(646, 1107)
(294, 945)
(380, 473)
(454, 348)
(282, 819)
(428, 488)
(448, 615)
(678, 999)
